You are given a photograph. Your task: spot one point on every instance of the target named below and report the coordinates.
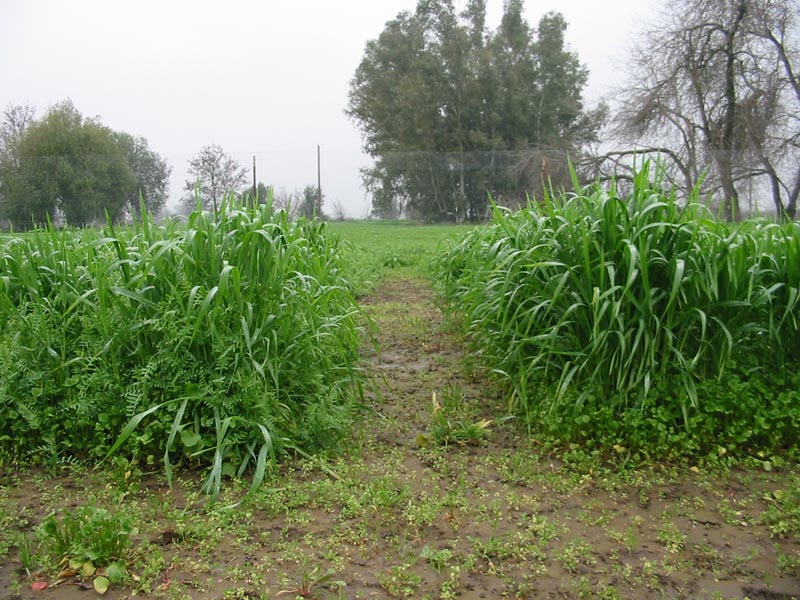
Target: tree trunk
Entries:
(724, 155)
(461, 209)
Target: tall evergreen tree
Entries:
(450, 110)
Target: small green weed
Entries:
(312, 579)
(576, 553)
(453, 421)
(782, 515)
(87, 534)
(400, 581)
(437, 559)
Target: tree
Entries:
(339, 211)
(214, 174)
(151, 173)
(714, 91)
(263, 194)
(65, 163)
(16, 119)
(288, 201)
(299, 203)
(447, 108)
(310, 204)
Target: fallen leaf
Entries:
(100, 585)
(38, 586)
(65, 573)
(115, 573)
(88, 569)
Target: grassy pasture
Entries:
(380, 247)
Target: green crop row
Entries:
(218, 342)
(631, 320)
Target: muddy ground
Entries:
(436, 495)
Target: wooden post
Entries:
(319, 185)
(255, 186)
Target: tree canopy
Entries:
(151, 173)
(452, 112)
(67, 165)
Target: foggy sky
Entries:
(266, 78)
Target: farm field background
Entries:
(435, 491)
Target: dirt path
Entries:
(440, 503)
(516, 521)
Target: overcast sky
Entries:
(267, 78)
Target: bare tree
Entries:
(214, 174)
(289, 201)
(771, 111)
(339, 211)
(713, 91)
(16, 118)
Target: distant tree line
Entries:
(213, 175)
(454, 114)
(64, 166)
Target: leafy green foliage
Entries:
(447, 106)
(87, 534)
(637, 322)
(218, 343)
(151, 172)
(65, 162)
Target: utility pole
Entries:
(255, 186)
(319, 185)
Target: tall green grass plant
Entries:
(216, 342)
(596, 309)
